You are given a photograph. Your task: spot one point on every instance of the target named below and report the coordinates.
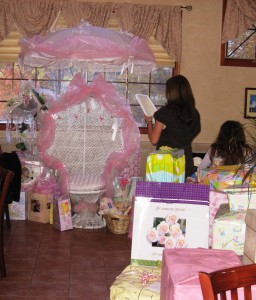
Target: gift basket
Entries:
(117, 224)
(117, 212)
(116, 215)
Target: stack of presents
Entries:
(179, 228)
(40, 199)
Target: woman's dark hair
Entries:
(179, 94)
(230, 144)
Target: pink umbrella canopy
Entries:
(88, 47)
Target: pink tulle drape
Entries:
(87, 46)
(105, 93)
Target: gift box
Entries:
(215, 200)
(246, 260)
(222, 178)
(166, 166)
(229, 230)
(31, 168)
(250, 236)
(19, 210)
(62, 218)
(137, 282)
(241, 198)
(39, 207)
(180, 281)
(168, 215)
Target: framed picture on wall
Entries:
(250, 103)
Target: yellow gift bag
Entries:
(166, 166)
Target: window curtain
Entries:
(33, 16)
(143, 20)
(6, 20)
(97, 14)
(240, 15)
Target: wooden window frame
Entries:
(233, 62)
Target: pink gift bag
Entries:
(62, 219)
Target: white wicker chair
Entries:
(88, 135)
(85, 135)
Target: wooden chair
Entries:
(227, 281)
(5, 181)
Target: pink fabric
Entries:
(45, 186)
(106, 94)
(180, 269)
(215, 200)
(133, 170)
(87, 45)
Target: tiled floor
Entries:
(43, 263)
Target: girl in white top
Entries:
(230, 147)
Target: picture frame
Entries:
(250, 103)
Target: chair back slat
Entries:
(223, 296)
(228, 280)
(5, 182)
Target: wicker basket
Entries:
(117, 224)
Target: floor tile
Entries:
(43, 263)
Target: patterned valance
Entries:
(33, 17)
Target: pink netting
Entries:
(105, 93)
(88, 47)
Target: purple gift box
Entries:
(171, 192)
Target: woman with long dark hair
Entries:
(229, 148)
(178, 122)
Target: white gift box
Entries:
(215, 200)
(39, 207)
(168, 215)
(18, 210)
(229, 230)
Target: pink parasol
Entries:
(88, 47)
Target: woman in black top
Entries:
(178, 122)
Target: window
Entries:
(127, 85)
(240, 51)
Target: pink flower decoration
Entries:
(152, 235)
(163, 227)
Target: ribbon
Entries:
(146, 277)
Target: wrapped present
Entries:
(19, 210)
(246, 260)
(168, 215)
(223, 178)
(228, 230)
(31, 168)
(39, 207)
(166, 166)
(137, 282)
(250, 235)
(180, 281)
(215, 200)
(241, 198)
(62, 218)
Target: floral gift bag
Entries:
(168, 215)
(62, 219)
